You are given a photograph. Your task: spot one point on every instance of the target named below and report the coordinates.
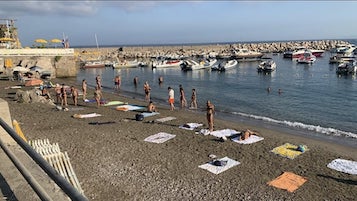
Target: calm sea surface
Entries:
(314, 100)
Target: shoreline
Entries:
(113, 162)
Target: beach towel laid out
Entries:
(288, 181)
(161, 120)
(82, 116)
(110, 103)
(223, 165)
(149, 114)
(224, 133)
(252, 139)
(204, 131)
(129, 107)
(102, 101)
(342, 165)
(190, 126)
(159, 137)
(288, 150)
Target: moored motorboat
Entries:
(166, 63)
(94, 64)
(126, 64)
(347, 67)
(267, 66)
(230, 64)
(306, 58)
(300, 51)
(190, 64)
(247, 55)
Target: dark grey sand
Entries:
(112, 161)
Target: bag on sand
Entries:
(139, 117)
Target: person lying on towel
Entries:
(246, 134)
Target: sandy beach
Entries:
(113, 162)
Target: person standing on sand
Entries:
(147, 90)
(74, 92)
(194, 99)
(117, 82)
(171, 98)
(210, 112)
(97, 95)
(84, 88)
(182, 97)
(63, 96)
(58, 93)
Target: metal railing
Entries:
(38, 52)
(67, 188)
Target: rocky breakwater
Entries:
(179, 51)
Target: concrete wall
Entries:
(61, 62)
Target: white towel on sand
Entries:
(343, 165)
(224, 133)
(250, 140)
(165, 119)
(190, 126)
(82, 116)
(159, 137)
(219, 169)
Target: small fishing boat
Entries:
(267, 66)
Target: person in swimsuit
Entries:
(171, 98)
(194, 99)
(97, 95)
(246, 134)
(74, 92)
(84, 88)
(210, 112)
(151, 107)
(182, 97)
(117, 82)
(63, 96)
(147, 91)
(58, 93)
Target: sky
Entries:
(180, 22)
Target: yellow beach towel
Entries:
(288, 181)
(288, 150)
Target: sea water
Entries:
(314, 100)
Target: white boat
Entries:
(306, 58)
(190, 64)
(94, 64)
(344, 49)
(247, 55)
(225, 65)
(267, 66)
(340, 58)
(300, 51)
(348, 67)
(126, 64)
(166, 63)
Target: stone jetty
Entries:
(147, 52)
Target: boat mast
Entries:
(96, 40)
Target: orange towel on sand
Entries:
(288, 181)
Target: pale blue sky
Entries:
(180, 22)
